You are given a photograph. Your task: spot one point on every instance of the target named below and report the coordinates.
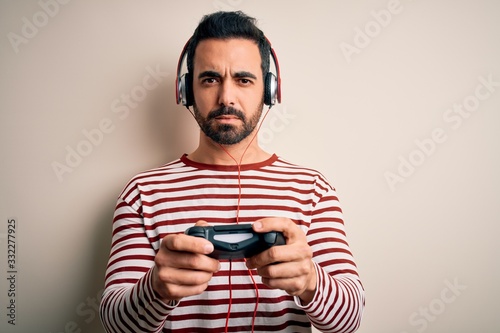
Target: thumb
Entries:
(202, 223)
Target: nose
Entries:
(227, 93)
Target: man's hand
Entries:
(182, 267)
(288, 267)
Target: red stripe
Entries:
(280, 187)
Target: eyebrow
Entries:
(241, 74)
(209, 74)
(244, 74)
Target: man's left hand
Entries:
(288, 267)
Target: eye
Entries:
(209, 80)
(245, 82)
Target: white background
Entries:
(365, 86)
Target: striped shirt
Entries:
(172, 198)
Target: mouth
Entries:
(226, 115)
(226, 119)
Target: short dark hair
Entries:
(225, 25)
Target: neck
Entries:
(245, 152)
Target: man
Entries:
(160, 279)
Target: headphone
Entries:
(184, 82)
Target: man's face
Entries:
(228, 88)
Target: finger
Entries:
(185, 243)
(303, 285)
(270, 256)
(175, 284)
(293, 287)
(290, 230)
(190, 261)
(295, 252)
(286, 270)
(202, 223)
(177, 292)
(172, 255)
(185, 277)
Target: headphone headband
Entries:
(180, 96)
(277, 94)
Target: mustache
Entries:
(225, 111)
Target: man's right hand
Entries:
(182, 267)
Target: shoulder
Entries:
(156, 176)
(287, 166)
(313, 175)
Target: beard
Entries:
(227, 134)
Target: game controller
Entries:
(236, 241)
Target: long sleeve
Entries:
(339, 300)
(129, 303)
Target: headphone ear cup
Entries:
(185, 91)
(189, 89)
(270, 89)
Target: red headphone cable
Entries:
(238, 164)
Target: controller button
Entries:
(270, 237)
